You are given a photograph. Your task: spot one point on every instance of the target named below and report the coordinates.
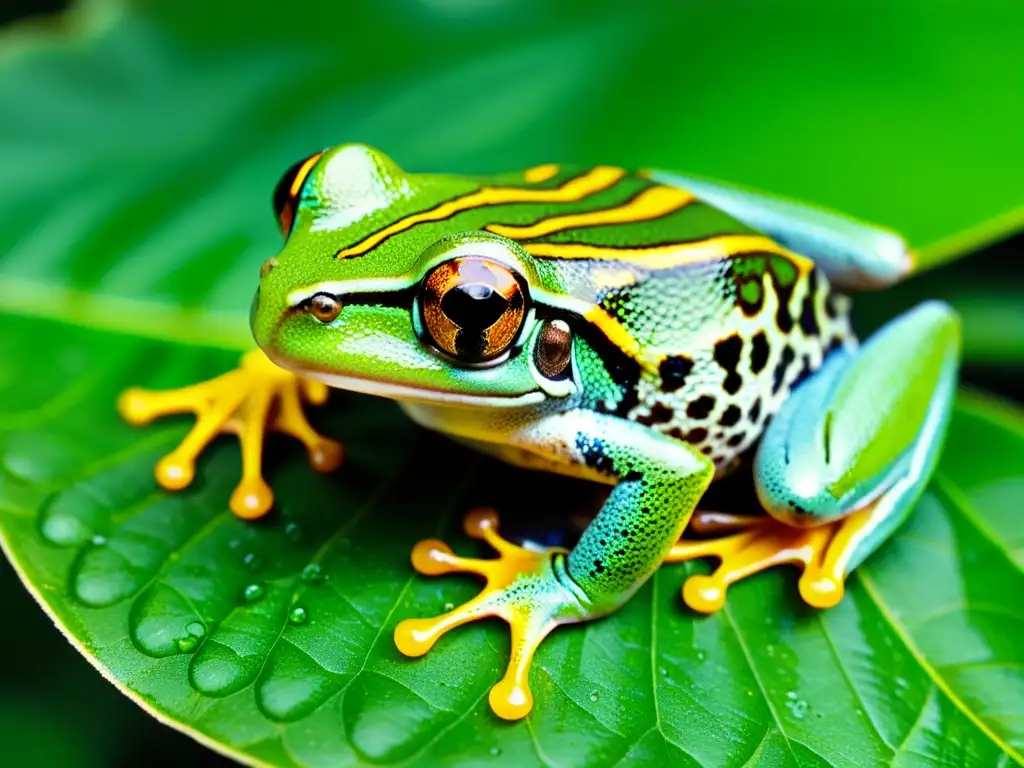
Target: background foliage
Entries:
(138, 146)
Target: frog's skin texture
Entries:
(644, 330)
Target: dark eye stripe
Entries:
(286, 193)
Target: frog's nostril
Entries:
(268, 267)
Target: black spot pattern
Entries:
(698, 435)
(674, 371)
(701, 407)
(788, 356)
(808, 317)
(727, 355)
(731, 417)
(759, 350)
(755, 411)
(736, 439)
(659, 414)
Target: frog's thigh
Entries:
(851, 253)
(869, 422)
(842, 463)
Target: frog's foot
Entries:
(247, 401)
(528, 589)
(754, 543)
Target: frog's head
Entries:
(389, 284)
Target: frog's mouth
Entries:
(402, 392)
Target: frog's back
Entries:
(706, 324)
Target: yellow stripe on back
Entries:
(672, 254)
(650, 204)
(600, 178)
(540, 173)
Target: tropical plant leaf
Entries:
(193, 613)
(138, 150)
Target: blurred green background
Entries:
(55, 710)
(945, 118)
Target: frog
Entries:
(644, 329)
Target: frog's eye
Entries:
(472, 308)
(324, 307)
(286, 193)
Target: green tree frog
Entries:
(645, 329)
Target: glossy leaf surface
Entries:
(139, 149)
(274, 639)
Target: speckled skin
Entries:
(638, 336)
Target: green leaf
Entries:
(139, 149)
(192, 612)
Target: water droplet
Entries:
(791, 695)
(449, 606)
(293, 531)
(495, 751)
(298, 615)
(770, 649)
(196, 629)
(622, 707)
(797, 706)
(594, 696)
(313, 574)
(701, 655)
(99, 540)
(252, 561)
(664, 672)
(234, 544)
(187, 644)
(253, 593)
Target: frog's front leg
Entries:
(255, 397)
(842, 464)
(658, 483)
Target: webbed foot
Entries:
(247, 401)
(754, 543)
(528, 589)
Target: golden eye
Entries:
(472, 308)
(324, 307)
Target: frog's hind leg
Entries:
(843, 462)
(255, 397)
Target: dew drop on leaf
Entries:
(594, 697)
(252, 561)
(313, 574)
(293, 531)
(797, 706)
(495, 751)
(298, 615)
(99, 540)
(253, 593)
